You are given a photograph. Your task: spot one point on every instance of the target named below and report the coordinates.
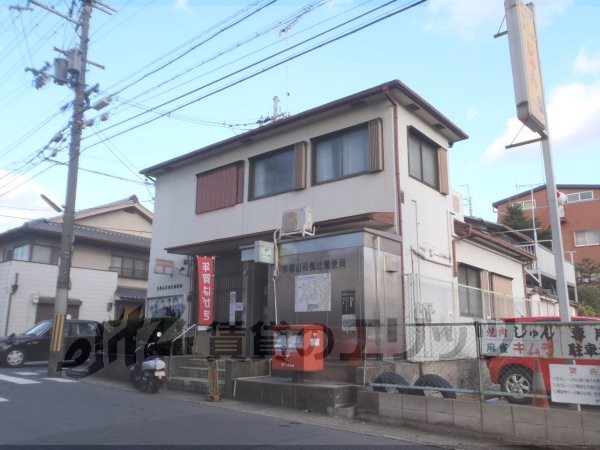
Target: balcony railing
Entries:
(130, 273)
(545, 262)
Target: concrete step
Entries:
(346, 411)
(317, 396)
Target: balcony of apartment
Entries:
(544, 265)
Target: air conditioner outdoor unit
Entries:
(297, 221)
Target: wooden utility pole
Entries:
(63, 280)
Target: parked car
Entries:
(515, 374)
(82, 338)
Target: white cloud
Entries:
(467, 18)
(182, 5)
(24, 203)
(472, 113)
(573, 116)
(586, 64)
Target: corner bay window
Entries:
(427, 162)
(279, 171)
(349, 152)
(470, 297)
(128, 267)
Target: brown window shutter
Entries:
(300, 165)
(220, 188)
(443, 171)
(375, 145)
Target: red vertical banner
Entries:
(206, 290)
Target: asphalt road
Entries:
(35, 410)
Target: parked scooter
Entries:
(148, 373)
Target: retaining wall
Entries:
(529, 424)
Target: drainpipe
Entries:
(13, 289)
(386, 91)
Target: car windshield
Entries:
(39, 329)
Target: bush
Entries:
(122, 336)
(589, 297)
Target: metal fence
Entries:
(522, 361)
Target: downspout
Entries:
(398, 225)
(13, 289)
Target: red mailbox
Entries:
(298, 348)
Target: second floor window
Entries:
(43, 254)
(273, 173)
(220, 188)
(580, 196)
(21, 253)
(128, 267)
(427, 162)
(587, 237)
(347, 153)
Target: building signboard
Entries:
(535, 340)
(206, 288)
(525, 62)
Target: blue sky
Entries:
(443, 49)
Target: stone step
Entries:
(345, 411)
(316, 396)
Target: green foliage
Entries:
(121, 336)
(516, 219)
(589, 298)
(588, 271)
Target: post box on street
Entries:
(298, 348)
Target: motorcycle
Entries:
(148, 373)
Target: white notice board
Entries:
(575, 384)
(313, 292)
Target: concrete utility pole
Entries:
(63, 280)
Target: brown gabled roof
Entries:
(86, 233)
(405, 96)
(467, 231)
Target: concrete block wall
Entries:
(525, 423)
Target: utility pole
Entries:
(70, 71)
(63, 280)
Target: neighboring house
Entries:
(377, 159)
(109, 268)
(580, 216)
(540, 281)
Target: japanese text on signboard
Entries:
(206, 287)
(574, 341)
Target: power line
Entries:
(263, 70)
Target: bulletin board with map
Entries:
(313, 292)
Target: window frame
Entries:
(479, 292)
(129, 272)
(422, 137)
(240, 172)
(28, 258)
(597, 231)
(533, 204)
(314, 150)
(271, 154)
(579, 200)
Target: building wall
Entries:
(426, 213)
(93, 287)
(486, 259)
(578, 216)
(120, 221)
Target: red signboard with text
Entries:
(206, 290)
